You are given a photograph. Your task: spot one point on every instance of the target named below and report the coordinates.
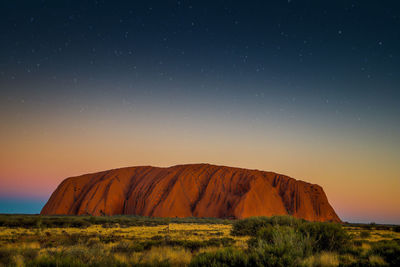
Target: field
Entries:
(30, 240)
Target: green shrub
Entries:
(265, 234)
(377, 261)
(326, 236)
(354, 251)
(80, 254)
(224, 258)
(357, 243)
(191, 245)
(29, 253)
(285, 242)
(49, 261)
(157, 237)
(93, 242)
(6, 255)
(110, 238)
(224, 241)
(216, 233)
(388, 250)
(128, 247)
(365, 234)
(279, 246)
(76, 257)
(250, 226)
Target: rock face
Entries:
(193, 190)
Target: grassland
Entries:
(138, 241)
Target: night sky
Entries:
(309, 89)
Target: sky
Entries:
(309, 89)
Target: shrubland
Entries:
(140, 241)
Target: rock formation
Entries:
(193, 190)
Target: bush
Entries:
(29, 253)
(48, 261)
(374, 260)
(357, 243)
(224, 241)
(279, 246)
(128, 247)
(76, 257)
(250, 226)
(326, 236)
(286, 241)
(6, 256)
(80, 254)
(157, 237)
(226, 257)
(324, 259)
(192, 245)
(365, 234)
(388, 250)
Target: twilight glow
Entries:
(306, 89)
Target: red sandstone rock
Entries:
(199, 190)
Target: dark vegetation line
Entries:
(84, 221)
(273, 241)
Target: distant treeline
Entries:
(39, 221)
(83, 221)
(374, 226)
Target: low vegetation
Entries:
(139, 241)
(38, 221)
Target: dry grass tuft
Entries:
(174, 255)
(375, 260)
(324, 259)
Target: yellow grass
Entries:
(23, 238)
(376, 235)
(366, 246)
(18, 260)
(187, 231)
(324, 259)
(375, 260)
(176, 256)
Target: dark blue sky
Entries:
(350, 45)
(342, 53)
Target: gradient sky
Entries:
(310, 89)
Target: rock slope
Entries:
(193, 190)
